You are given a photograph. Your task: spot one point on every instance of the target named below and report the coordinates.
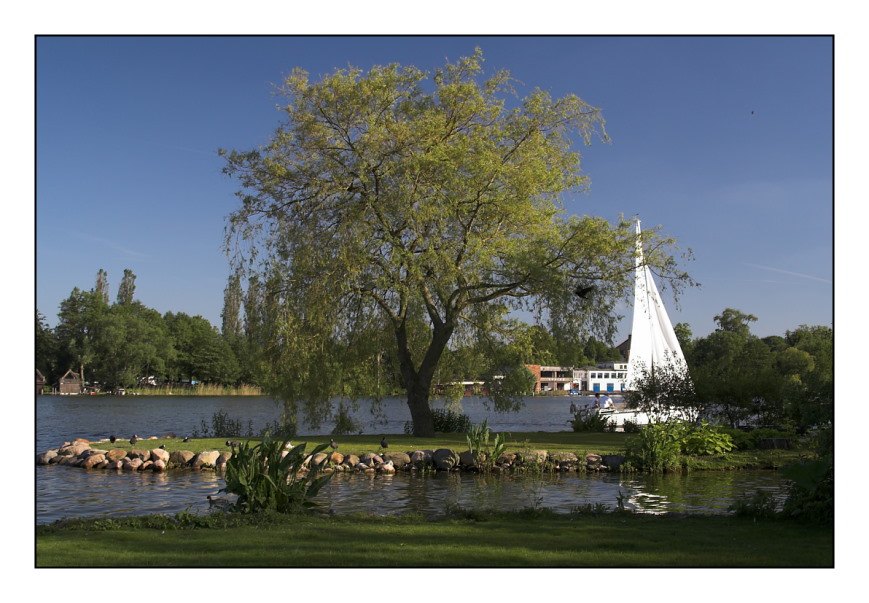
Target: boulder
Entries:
(470, 458)
(181, 457)
(386, 467)
(564, 458)
(139, 454)
(159, 454)
(158, 465)
(613, 461)
(507, 458)
(133, 464)
(116, 454)
(444, 459)
(319, 459)
(93, 460)
(118, 464)
(351, 460)
(369, 458)
(536, 457)
(336, 458)
(223, 459)
(421, 457)
(205, 459)
(45, 457)
(73, 449)
(398, 459)
(145, 465)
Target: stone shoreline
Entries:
(80, 453)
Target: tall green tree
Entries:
(132, 342)
(80, 321)
(46, 349)
(201, 353)
(127, 288)
(424, 208)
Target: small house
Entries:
(40, 382)
(70, 383)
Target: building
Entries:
(608, 377)
(70, 383)
(40, 382)
(553, 378)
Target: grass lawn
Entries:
(523, 539)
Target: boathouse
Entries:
(70, 383)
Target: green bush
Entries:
(445, 421)
(264, 478)
(704, 439)
(747, 440)
(590, 422)
(810, 497)
(655, 448)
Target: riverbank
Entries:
(529, 538)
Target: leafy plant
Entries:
(445, 421)
(655, 448)
(810, 496)
(478, 443)
(590, 422)
(761, 505)
(267, 476)
(705, 439)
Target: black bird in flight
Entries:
(583, 292)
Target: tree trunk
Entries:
(418, 382)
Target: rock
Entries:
(44, 458)
(319, 459)
(386, 468)
(444, 459)
(351, 460)
(421, 457)
(336, 458)
(593, 458)
(507, 458)
(470, 458)
(398, 459)
(369, 458)
(145, 465)
(74, 449)
(116, 454)
(205, 459)
(158, 465)
(144, 455)
(134, 464)
(537, 457)
(181, 457)
(159, 454)
(92, 460)
(613, 461)
(563, 458)
(223, 459)
(118, 464)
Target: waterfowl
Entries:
(333, 444)
(133, 440)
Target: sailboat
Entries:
(653, 342)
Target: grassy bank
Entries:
(577, 442)
(523, 539)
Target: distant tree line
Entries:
(737, 377)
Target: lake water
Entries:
(73, 492)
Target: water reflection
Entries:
(72, 492)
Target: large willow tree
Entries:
(392, 214)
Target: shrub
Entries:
(655, 448)
(445, 421)
(264, 478)
(590, 422)
(704, 439)
(810, 497)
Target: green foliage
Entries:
(267, 476)
(704, 439)
(446, 421)
(655, 448)
(478, 443)
(761, 505)
(810, 497)
(590, 421)
(436, 204)
(222, 426)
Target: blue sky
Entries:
(127, 173)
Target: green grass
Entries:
(523, 539)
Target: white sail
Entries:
(653, 341)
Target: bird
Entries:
(112, 439)
(133, 440)
(220, 503)
(233, 443)
(186, 439)
(383, 443)
(752, 112)
(333, 444)
(582, 292)
(162, 446)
